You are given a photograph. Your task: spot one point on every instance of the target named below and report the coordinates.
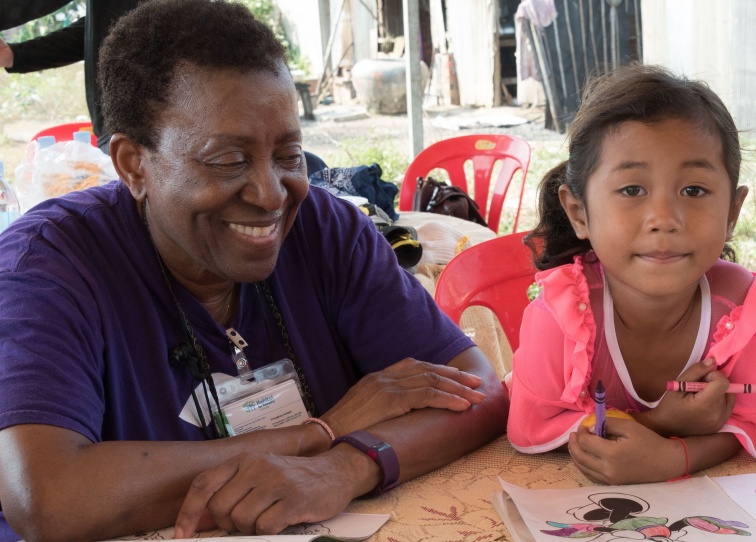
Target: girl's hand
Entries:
(687, 414)
(635, 454)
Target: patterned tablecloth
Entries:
(453, 503)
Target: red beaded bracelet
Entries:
(687, 460)
(322, 424)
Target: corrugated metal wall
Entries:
(712, 40)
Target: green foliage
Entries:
(266, 11)
(49, 23)
(363, 151)
(533, 291)
(51, 95)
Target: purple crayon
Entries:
(600, 399)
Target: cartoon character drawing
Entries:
(617, 516)
(307, 528)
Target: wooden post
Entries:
(318, 88)
(414, 76)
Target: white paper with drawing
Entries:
(344, 527)
(691, 510)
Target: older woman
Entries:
(117, 304)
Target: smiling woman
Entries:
(229, 168)
(124, 308)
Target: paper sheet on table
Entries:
(344, 527)
(691, 510)
(741, 488)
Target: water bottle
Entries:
(83, 136)
(45, 141)
(9, 209)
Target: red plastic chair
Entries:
(484, 150)
(64, 132)
(494, 274)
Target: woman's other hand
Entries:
(400, 388)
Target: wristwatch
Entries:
(380, 452)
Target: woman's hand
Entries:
(638, 455)
(263, 494)
(400, 388)
(687, 414)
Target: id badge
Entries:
(264, 398)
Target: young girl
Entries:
(638, 289)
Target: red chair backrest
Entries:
(64, 132)
(494, 274)
(484, 150)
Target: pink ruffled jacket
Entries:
(563, 350)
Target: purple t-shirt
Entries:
(87, 320)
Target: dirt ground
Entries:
(338, 123)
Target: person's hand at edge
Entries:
(6, 55)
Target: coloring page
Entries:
(690, 510)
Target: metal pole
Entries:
(586, 70)
(414, 76)
(559, 58)
(572, 46)
(603, 34)
(547, 73)
(614, 30)
(592, 33)
(638, 33)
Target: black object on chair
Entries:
(314, 163)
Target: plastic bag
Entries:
(58, 169)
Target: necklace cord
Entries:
(262, 287)
(189, 352)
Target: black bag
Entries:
(432, 196)
(403, 239)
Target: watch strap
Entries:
(380, 452)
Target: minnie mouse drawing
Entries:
(617, 516)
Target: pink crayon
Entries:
(676, 385)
